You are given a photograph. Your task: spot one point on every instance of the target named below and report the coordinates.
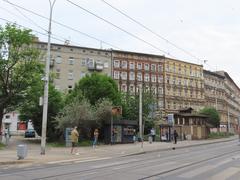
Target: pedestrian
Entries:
(114, 135)
(167, 139)
(74, 139)
(134, 136)
(95, 134)
(153, 134)
(175, 135)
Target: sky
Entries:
(207, 30)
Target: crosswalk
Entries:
(225, 169)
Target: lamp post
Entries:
(46, 82)
(140, 116)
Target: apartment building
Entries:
(215, 93)
(71, 63)
(132, 70)
(232, 102)
(184, 85)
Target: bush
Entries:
(216, 135)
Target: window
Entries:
(124, 87)
(116, 63)
(160, 79)
(132, 76)
(132, 88)
(139, 65)
(146, 67)
(131, 66)
(167, 68)
(124, 75)
(58, 59)
(84, 62)
(153, 78)
(146, 77)
(160, 90)
(154, 90)
(116, 74)
(153, 67)
(124, 64)
(70, 75)
(58, 70)
(139, 76)
(82, 74)
(160, 68)
(174, 80)
(71, 61)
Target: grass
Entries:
(2, 146)
(218, 135)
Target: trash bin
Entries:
(150, 139)
(22, 151)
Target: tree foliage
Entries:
(30, 109)
(214, 117)
(95, 87)
(19, 66)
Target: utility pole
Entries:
(228, 119)
(46, 82)
(140, 116)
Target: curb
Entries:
(174, 148)
(13, 162)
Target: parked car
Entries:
(30, 133)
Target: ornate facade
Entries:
(184, 85)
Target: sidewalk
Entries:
(62, 155)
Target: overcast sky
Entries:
(209, 30)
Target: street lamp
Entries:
(140, 115)
(46, 82)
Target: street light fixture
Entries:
(46, 82)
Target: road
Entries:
(213, 161)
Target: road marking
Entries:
(96, 159)
(70, 160)
(226, 173)
(198, 171)
(115, 163)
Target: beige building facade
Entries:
(184, 85)
(71, 63)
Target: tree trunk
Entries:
(1, 118)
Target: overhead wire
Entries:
(150, 30)
(63, 25)
(118, 27)
(53, 34)
(44, 34)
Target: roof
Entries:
(213, 74)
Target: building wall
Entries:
(71, 63)
(215, 93)
(184, 86)
(132, 70)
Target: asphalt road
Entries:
(214, 161)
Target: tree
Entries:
(96, 86)
(214, 117)
(77, 113)
(19, 65)
(30, 109)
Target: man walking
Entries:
(153, 134)
(74, 139)
(95, 134)
(175, 135)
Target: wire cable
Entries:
(127, 32)
(150, 30)
(61, 24)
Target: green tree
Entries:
(214, 117)
(103, 111)
(30, 109)
(95, 87)
(77, 113)
(19, 66)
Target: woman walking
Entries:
(95, 134)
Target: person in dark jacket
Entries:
(175, 135)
